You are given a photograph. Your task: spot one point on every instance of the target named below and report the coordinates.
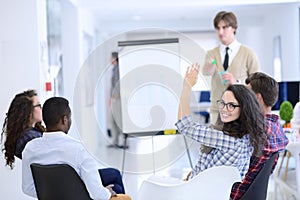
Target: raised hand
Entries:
(191, 75)
(190, 79)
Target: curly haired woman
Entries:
(22, 124)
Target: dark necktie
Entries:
(225, 64)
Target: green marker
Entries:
(214, 62)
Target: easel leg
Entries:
(124, 152)
(188, 151)
(153, 158)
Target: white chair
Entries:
(211, 184)
(289, 183)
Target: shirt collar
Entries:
(53, 134)
(272, 117)
(234, 45)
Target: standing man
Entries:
(116, 115)
(230, 62)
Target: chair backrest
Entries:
(211, 184)
(259, 187)
(204, 96)
(59, 182)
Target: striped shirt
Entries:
(227, 150)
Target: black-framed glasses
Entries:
(230, 106)
(38, 105)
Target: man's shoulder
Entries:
(69, 140)
(246, 49)
(57, 138)
(246, 53)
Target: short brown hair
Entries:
(114, 55)
(227, 17)
(265, 85)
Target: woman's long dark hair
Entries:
(251, 120)
(17, 121)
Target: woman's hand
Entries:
(191, 75)
(190, 80)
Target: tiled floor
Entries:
(169, 159)
(291, 181)
(164, 155)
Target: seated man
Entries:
(56, 147)
(266, 90)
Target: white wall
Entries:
(283, 20)
(257, 29)
(71, 51)
(75, 23)
(71, 47)
(22, 29)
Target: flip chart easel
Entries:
(150, 88)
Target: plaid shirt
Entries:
(226, 150)
(26, 137)
(277, 141)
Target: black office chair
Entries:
(58, 182)
(259, 187)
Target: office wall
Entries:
(259, 33)
(75, 24)
(78, 40)
(22, 37)
(71, 47)
(256, 29)
(283, 20)
(258, 25)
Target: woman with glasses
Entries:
(238, 133)
(22, 124)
